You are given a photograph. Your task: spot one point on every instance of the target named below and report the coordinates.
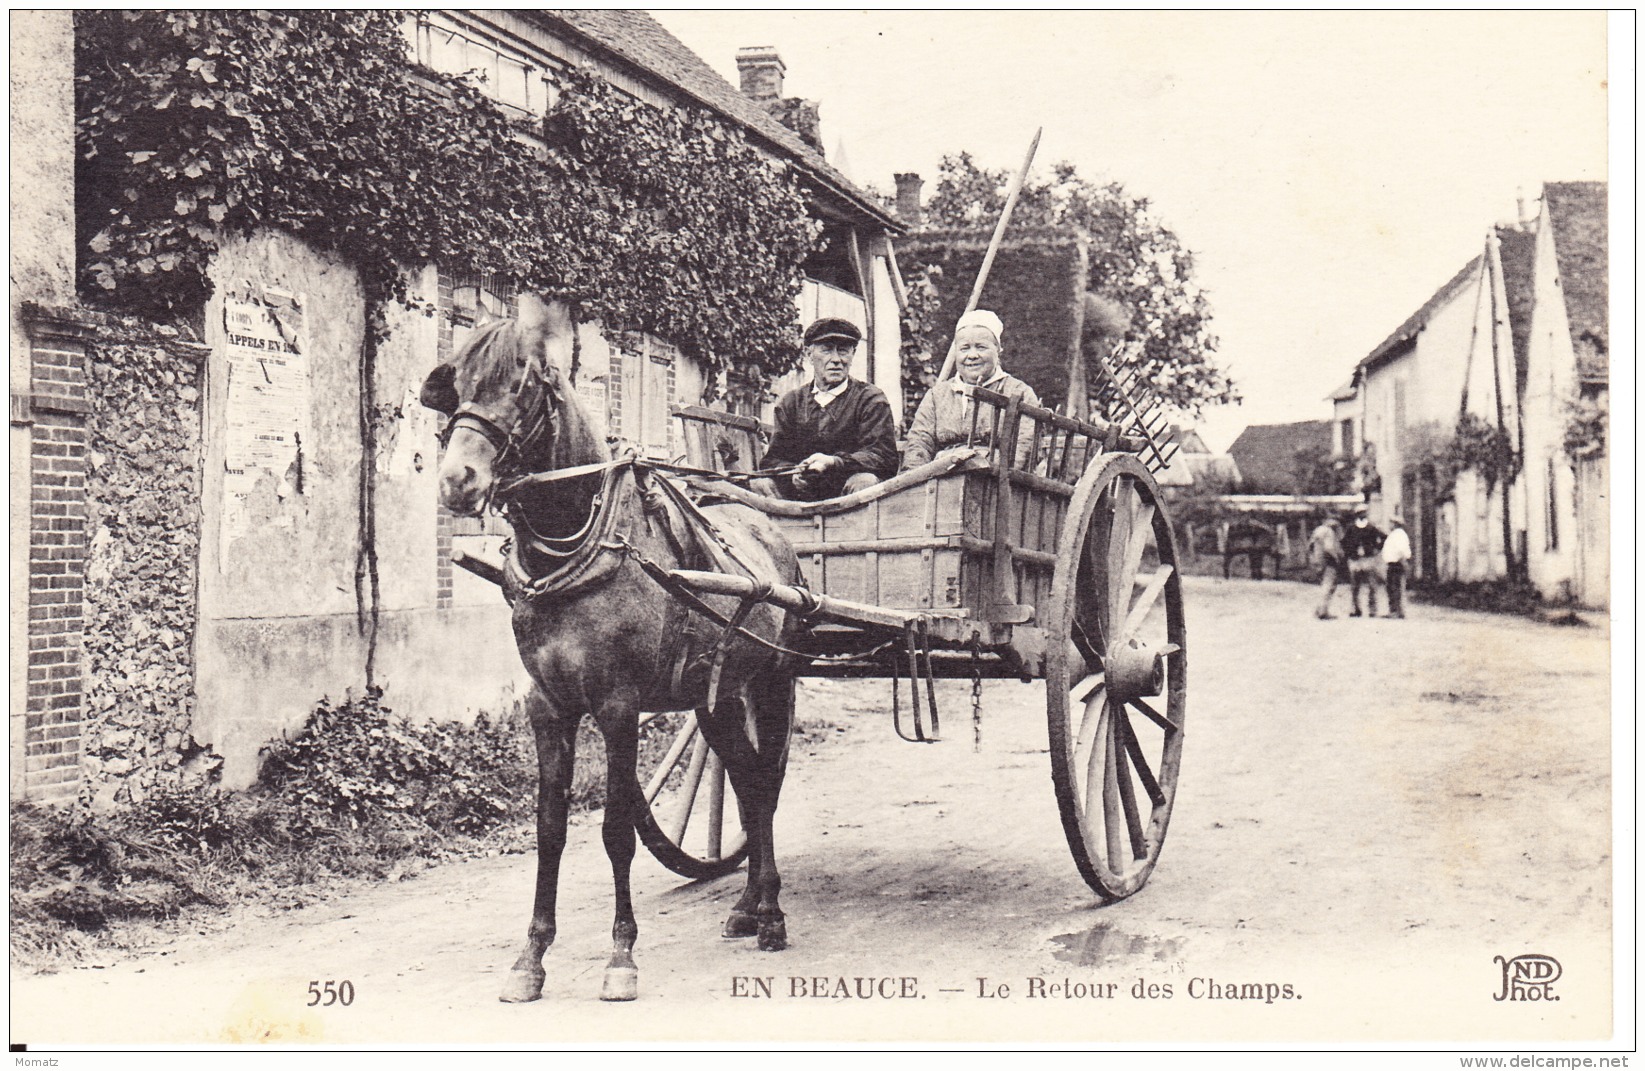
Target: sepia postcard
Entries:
(822, 530)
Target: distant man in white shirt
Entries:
(1396, 551)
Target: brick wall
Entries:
(455, 318)
(442, 520)
(56, 408)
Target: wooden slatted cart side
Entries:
(725, 442)
(972, 535)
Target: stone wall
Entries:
(143, 518)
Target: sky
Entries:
(1330, 170)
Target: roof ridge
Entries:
(638, 39)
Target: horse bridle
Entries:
(511, 445)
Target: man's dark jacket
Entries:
(1359, 543)
(857, 427)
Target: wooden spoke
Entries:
(1136, 542)
(688, 733)
(1090, 720)
(688, 791)
(716, 804)
(1095, 572)
(1093, 769)
(1155, 716)
(1128, 793)
(1140, 764)
(1090, 649)
(1112, 816)
(1084, 688)
(1145, 602)
(1119, 546)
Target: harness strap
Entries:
(723, 645)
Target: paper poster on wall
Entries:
(267, 420)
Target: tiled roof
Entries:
(1408, 330)
(1577, 212)
(639, 39)
(1267, 454)
(1517, 250)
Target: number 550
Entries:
(333, 993)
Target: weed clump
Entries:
(356, 793)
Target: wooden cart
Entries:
(1042, 551)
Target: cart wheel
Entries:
(1116, 675)
(691, 823)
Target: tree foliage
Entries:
(197, 124)
(1136, 261)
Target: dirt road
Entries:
(1370, 811)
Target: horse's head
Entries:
(509, 405)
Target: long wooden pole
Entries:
(994, 245)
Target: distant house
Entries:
(1345, 421)
(1507, 346)
(1566, 361)
(1282, 459)
(1196, 469)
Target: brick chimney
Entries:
(803, 117)
(909, 187)
(761, 71)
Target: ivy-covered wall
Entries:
(143, 522)
(197, 125)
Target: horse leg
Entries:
(729, 717)
(556, 737)
(619, 724)
(756, 769)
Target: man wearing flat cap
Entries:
(838, 431)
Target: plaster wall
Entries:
(1451, 354)
(285, 605)
(1550, 383)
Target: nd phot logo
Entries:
(1528, 977)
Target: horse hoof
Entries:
(740, 924)
(773, 936)
(523, 987)
(621, 983)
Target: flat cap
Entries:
(832, 327)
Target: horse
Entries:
(600, 634)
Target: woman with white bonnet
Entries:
(943, 420)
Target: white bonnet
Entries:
(981, 318)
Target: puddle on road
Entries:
(1101, 944)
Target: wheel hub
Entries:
(1134, 670)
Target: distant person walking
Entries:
(1363, 546)
(1396, 551)
(1325, 554)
